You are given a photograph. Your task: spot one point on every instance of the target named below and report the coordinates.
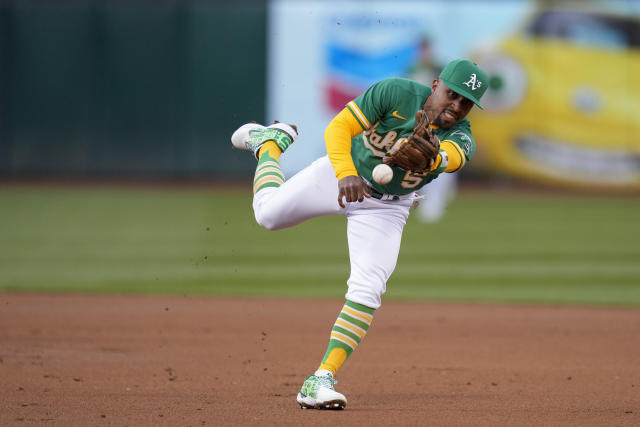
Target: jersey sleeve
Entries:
(459, 138)
(338, 136)
(375, 102)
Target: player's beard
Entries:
(443, 123)
(439, 121)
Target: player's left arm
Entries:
(456, 149)
(451, 158)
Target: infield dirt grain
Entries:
(74, 360)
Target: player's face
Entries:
(444, 107)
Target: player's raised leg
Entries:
(278, 203)
(267, 144)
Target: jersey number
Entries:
(411, 181)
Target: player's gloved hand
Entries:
(418, 153)
(352, 188)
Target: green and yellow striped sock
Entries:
(268, 172)
(350, 328)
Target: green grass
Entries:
(490, 247)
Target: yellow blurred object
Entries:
(564, 100)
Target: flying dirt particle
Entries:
(171, 375)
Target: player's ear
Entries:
(434, 85)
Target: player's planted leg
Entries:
(317, 392)
(350, 327)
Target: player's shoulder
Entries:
(405, 85)
(462, 130)
(461, 135)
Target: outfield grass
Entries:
(490, 247)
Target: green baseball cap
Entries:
(465, 78)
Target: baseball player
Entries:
(421, 132)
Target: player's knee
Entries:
(265, 214)
(368, 282)
(365, 295)
(267, 220)
(368, 293)
(266, 223)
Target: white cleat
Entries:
(241, 138)
(317, 392)
(251, 136)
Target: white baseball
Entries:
(382, 174)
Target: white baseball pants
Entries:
(374, 227)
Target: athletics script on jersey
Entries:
(382, 145)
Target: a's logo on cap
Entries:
(473, 82)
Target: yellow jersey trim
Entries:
(359, 115)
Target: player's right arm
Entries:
(338, 135)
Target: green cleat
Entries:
(317, 392)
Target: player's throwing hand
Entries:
(352, 188)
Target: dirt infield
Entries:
(114, 360)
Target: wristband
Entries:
(441, 166)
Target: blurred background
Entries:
(97, 91)
(154, 88)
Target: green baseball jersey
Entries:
(387, 113)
